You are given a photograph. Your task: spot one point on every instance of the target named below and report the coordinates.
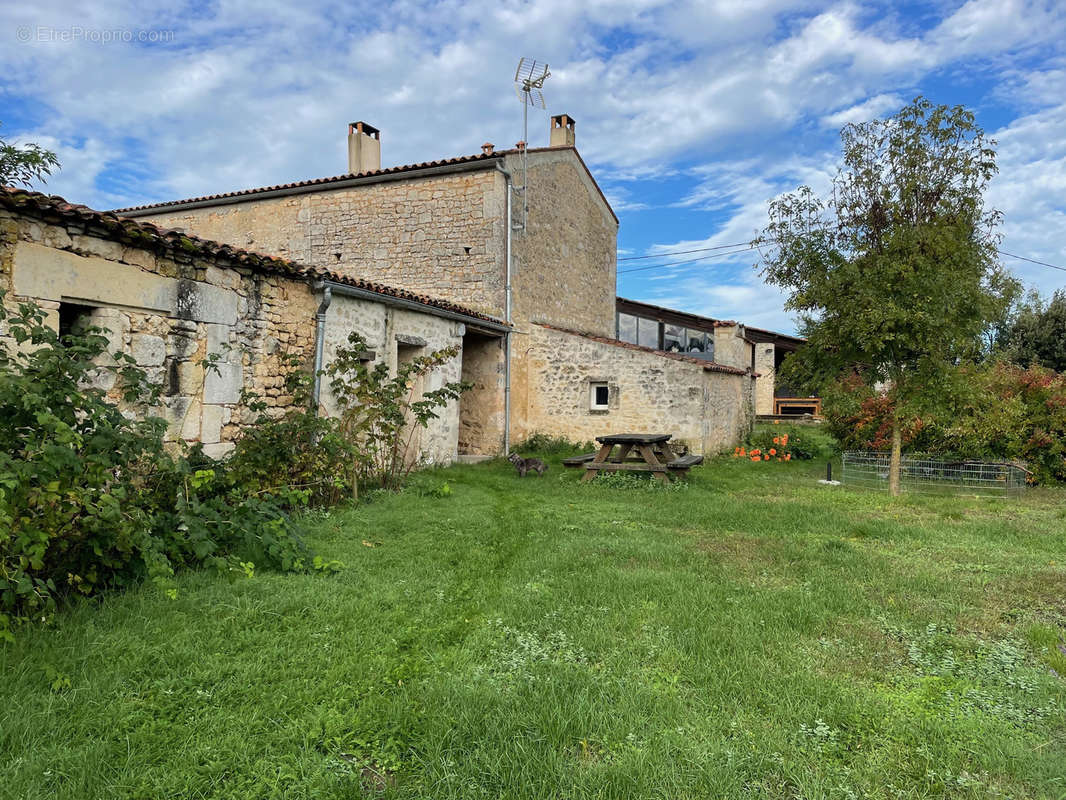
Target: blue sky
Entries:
(692, 115)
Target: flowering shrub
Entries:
(1007, 413)
(779, 443)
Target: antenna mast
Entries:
(528, 82)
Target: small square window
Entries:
(599, 396)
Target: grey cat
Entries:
(524, 465)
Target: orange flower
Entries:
(773, 452)
(766, 458)
(777, 440)
(756, 452)
(754, 458)
(742, 451)
(777, 422)
(784, 439)
(788, 456)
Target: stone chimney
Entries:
(364, 148)
(562, 131)
(487, 148)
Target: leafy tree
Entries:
(895, 274)
(23, 165)
(1035, 333)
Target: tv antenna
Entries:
(529, 80)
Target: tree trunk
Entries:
(894, 462)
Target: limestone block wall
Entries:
(764, 384)
(564, 262)
(731, 348)
(481, 418)
(442, 235)
(170, 313)
(564, 266)
(387, 331)
(648, 393)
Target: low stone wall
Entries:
(649, 392)
(169, 312)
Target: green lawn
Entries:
(750, 634)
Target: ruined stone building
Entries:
(508, 254)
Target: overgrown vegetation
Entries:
(89, 498)
(381, 412)
(753, 634)
(1004, 413)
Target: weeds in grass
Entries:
(954, 675)
(630, 481)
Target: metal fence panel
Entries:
(931, 475)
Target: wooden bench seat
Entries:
(691, 460)
(577, 461)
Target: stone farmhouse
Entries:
(510, 255)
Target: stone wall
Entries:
(731, 348)
(442, 235)
(481, 418)
(386, 330)
(564, 267)
(564, 262)
(648, 393)
(169, 312)
(764, 384)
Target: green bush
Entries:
(89, 498)
(1005, 413)
(797, 442)
(546, 444)
(299, 457)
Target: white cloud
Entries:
(873, 108)
(251, 94)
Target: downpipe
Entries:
(320, 341)
(508, 189)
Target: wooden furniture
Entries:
(638, 452)
(798, 405)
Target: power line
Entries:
(1031, 260)
(687, 261)
(744, 247)
(685, 252)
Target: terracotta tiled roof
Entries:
(710, 366)
(320, 181)
(381, 173)
(136, 233)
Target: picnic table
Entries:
(638, 452)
